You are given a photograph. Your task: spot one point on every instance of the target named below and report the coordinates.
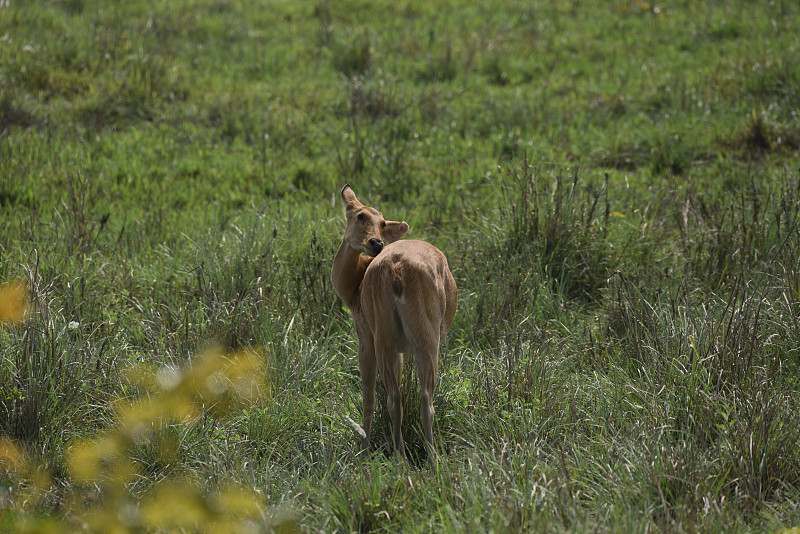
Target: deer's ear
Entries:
(349, 197)
(393, 231)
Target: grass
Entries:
(616, 187)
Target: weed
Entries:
(440, 67)
(568, 233)
(354, 59)
(14, 115)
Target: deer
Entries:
(403, 298)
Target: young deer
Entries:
(403, 299)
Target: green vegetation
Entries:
(617, 188)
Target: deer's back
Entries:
(409, 278)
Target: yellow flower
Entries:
(14, 302)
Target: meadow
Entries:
(616, 186)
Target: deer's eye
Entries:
(360, 217)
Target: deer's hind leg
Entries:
(390, 362)
(422, 324)
(426, 358)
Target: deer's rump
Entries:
(410, 277)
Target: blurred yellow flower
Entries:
(217, 383)
(14, 302)
(11, 457)
(174, 504)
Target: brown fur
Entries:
(403, 300)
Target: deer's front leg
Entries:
(366, 364)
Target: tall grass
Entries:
(618, 201)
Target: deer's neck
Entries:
(347, 274)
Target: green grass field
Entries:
(616, 186)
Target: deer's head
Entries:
(366, 228)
